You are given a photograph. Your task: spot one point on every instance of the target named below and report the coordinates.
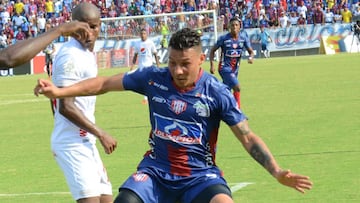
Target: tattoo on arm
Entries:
(262, 157)
(244, 129)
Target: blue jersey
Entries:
(184, 125)
(231, 51)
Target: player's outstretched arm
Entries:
(92, 86)
(261, 153)
(25, 50)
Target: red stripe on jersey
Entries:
(178, 159)
(213, 143)
(82, 133)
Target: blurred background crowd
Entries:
(21, 19)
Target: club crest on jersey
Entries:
(178, 106)
(202, 109)
(140, 177)
(235, 46)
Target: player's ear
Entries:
(202, 58)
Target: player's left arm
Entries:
(93, 86)
(157, 59)
(259, 151)
(251, 54)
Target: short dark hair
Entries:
(184, 39)
(235, 19)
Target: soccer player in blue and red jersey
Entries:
(186, 106)
(233, 45)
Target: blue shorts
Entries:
(154, 186)
(229, 78)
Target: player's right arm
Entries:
(92, 86)
(70, 111)
(133, 61)
(212, 55)
(259, 151)
(25, 50)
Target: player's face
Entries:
(143, 35)
(235, 27)
(184, 66)
(94, 24)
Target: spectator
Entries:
(25, 27)
(283, 20)
(4, 15)
(293, 19)
(318, 15)
(17, 20)
(3, 40)
(123, 8)
(329, 16)
(41, 23)
(302, 9)
(301, 21)
(49, 8)
(338, 16)
(19, 7)
(20, 35)
(346, 15)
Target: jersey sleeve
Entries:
(136, 80)
(247, 43)
(220, 42)
(228, 110)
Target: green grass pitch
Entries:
(307, 109)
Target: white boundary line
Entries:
(21, 101)
(235, 187)
(238, 186)
(34, 193)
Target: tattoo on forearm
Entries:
(244, 129)
(262, 157)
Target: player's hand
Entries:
(76, 29)
(296, 181)
(46, 88)
(108, 142)
(212, 69)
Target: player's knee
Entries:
(127, 196)
(210, 192)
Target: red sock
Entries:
(237, 98)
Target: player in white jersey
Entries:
(145, 49)
(73, 139)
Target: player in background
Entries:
(145, 49)
(265, 39)
(233, 45)
(73, 139)
(25, 50)
(49, 57)
(186, 107)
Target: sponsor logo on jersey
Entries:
(142, 50)
(233, 53)
(235, 45)
(158, 99)
(177, 130)
(203, 96)
(160, 86)
(202, 109)
(178, 106)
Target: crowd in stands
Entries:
(21, 19)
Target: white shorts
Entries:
(84, 171)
